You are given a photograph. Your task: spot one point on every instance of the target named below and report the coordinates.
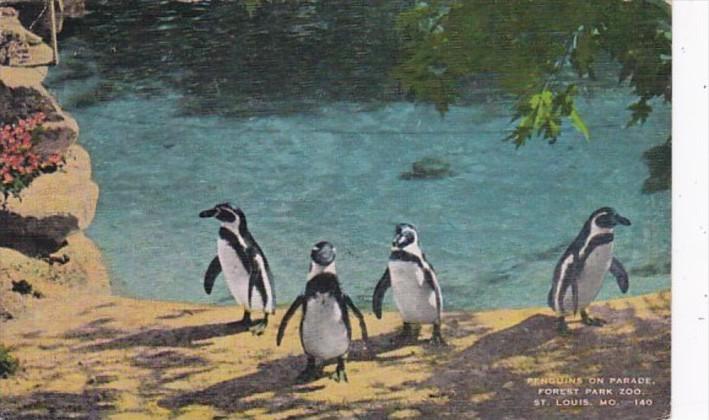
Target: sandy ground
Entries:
(96, 356)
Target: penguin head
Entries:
(608, 218)
(323, 253)
(225, 213)
(404, 235)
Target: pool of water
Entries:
(494, 230)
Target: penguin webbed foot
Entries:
(259, 327)
(409, 334)
(592, 322)
(340, 374)
(310, 373)
(246, 319)
(562, 328)
(307, 375)
(437, 339)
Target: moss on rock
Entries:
(8, 363)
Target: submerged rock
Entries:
(659, 162)
(428, 168)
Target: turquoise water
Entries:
(494, 230)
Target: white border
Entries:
(690, 173)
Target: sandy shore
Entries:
(90, 356)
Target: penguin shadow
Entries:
(181, 314)
(503, 362)
(96, 308)
(90, 403)
(188, 336)
(529, 334)
(280, 378)
(276, 376)
(94, 330)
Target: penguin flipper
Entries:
(297, 303)
(569, 279)
(360, 318)
(213, 271)
(430, 279)
(379, 291)
(256, 277)
(621, 276)
(575, 294)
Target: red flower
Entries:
(19, 163)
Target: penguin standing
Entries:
(245, 267)
(416, 291)
(579, 274)
(325, 330)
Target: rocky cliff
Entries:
(42, 240)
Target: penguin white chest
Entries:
(237, 278)
(590, 279)
(415, 299)
(324, 334)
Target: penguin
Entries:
(244, 264)
(579, 274)
(325, 330)
(415, 286)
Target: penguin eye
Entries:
(604, 220)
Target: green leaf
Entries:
(579, 124)
(640, 111)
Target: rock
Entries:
(8, 12)
(35, 237)
(21, 102)
(83, 271)
(13, 49)
(74, 9)
(41, 238)
(24, 288)
(659, 162)
(5, 315)
(428, 168)
(55, 140)
(69, 191)
(29, 11)
(19, 46)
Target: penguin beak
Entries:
(398, 240)
(622, 220)
(208, 213)
(403, 239)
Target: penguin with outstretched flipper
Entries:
(325, 330)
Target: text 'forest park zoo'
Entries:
(583, 392)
